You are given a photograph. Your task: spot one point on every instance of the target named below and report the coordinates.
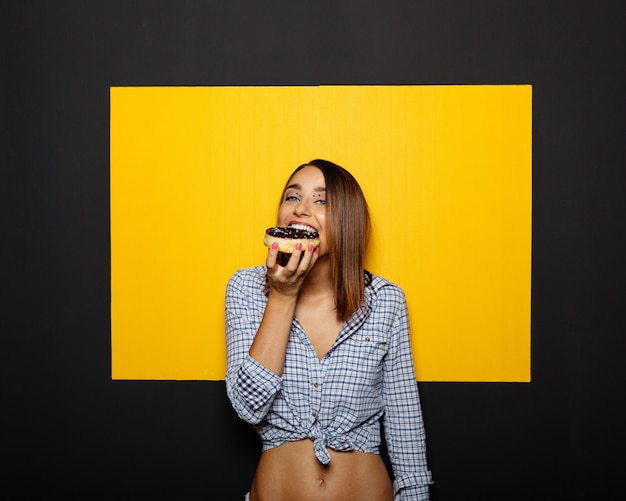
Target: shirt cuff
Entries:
(413, 494)
(256, 383)
(412, 487)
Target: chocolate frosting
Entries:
(289, 232)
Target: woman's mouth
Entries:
(303, 227)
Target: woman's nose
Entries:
(301, 208)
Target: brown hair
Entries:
(348, 234)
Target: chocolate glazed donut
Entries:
(288, 237)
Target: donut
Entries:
(289, 236)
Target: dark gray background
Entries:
(71, 431)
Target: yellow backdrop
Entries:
(196, 174)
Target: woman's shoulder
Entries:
(248, 277)
(378, 285)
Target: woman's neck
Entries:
(318, 281)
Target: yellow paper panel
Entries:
(195, 177)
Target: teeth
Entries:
(303, 227)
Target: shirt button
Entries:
(315, 385)
(367, 339)
(314, 414)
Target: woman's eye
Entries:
(291, 198)
(321, 202)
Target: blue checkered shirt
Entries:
(336, 401)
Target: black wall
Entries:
(71, 431)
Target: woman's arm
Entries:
(270, 343)
(256, 350)
(403, 423)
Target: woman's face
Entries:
(304, 202)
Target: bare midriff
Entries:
(291, 472)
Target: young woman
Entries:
(319, 352)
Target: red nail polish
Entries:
(275, 245)
(298, 246)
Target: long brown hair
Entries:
(348, 234)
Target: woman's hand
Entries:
(287, 279)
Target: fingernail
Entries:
(299, 246)
(275, 245)
(317, 250)
(309, 248)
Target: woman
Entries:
(319, 352)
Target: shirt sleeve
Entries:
(250, 386)
(403, 423)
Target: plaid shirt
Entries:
(336, 401)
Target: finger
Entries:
(272, 255)
(294, 260)
(315, 254)
(307, 257)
